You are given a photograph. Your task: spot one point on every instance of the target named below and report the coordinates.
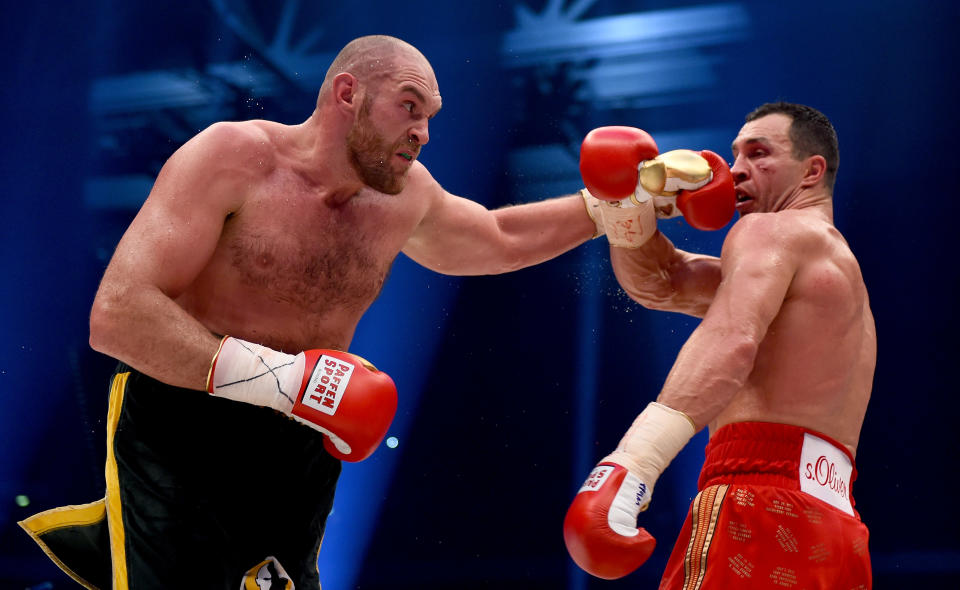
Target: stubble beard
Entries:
(371, 156)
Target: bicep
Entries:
(454, 233)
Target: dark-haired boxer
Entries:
(780, 370)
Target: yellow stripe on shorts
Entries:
(114, 514)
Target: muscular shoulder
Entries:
(420, 181)
(787, 233)
(802, 248)
(422, 190)
(215, 167)
(231, 145)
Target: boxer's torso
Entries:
(815, 365)
(292, 270)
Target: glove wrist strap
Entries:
(629, 223)
(254, 374)
(593, 210)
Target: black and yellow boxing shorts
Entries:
(201, 492)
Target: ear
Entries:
(346, 91)
(814, 170)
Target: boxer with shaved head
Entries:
(231, 302)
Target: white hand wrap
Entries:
(654, 439)
(254, 374)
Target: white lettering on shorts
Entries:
(825, 472)
(327, 383)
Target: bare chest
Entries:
(290, 247)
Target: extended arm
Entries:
(458, 236)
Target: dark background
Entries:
(511, 386)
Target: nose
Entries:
(419, 133)
(739, 170)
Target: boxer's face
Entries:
(765, 173)
(393, 124)
(373, 156)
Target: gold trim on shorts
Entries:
(114, 509)
(703, 525)
(57, 518)
(108, 507)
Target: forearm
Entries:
(711, 368)
(536, 232)
(144, 328)
(659, 276)
(467, 239)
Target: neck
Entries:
(321, 158)
(815, 200)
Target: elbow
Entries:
(103, 325)
(656, 301)
(741, 353)
(508, 257)
(663, 297)
(510, 263)
(744, 349)
(511, 251)
(99, 327)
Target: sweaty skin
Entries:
(283, 235)
(787, 334)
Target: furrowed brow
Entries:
(420, 96)
(414, 91)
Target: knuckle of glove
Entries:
(684, 170)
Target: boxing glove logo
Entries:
(641, 493)
(596, 478)
(328, 381)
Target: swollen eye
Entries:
(408, 106)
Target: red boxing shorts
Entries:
(774, 511)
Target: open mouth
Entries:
(406, 156)
(744, 202)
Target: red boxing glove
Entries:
(600, 527)
(609, 157)
(347, 398)
(333, 392)
(711, 206)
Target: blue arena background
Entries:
(512, 386)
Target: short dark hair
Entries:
(810, 132)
